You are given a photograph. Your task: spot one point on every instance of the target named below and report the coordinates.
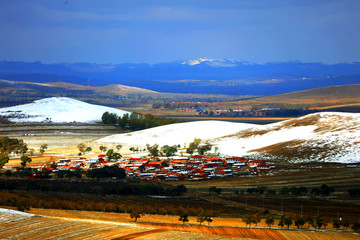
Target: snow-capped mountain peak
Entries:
(211, 62)
(197, 61)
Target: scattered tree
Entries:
(346, 224)
(213, 190)
(88, 149)
(201, 218)
(356, 227)
(310, 221)
(113, 155)
(42, 149)
(153, 150)
(203, 148)
(282, 221)
(336, 224)
(134, 149)
(284, 191)
(169, 150)
(119, 147)
(193, 146)
(299, 222)
(326, 190)
(257, 218)
(25, 159)
(269, 220)
(288, 221)
(135, 214)
(82, 148)
(9, 145)
(319, 222)
(102, 148)
(208, 219)
(183, 218)
(248, 219)
(3, 159)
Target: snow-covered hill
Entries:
(329, 137)
(57, 109)
(332, 137)
(178, 133)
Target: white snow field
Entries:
(57, 109)
(328, 136)
(178, 133)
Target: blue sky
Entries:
(153, 31)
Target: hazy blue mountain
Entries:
(192, 76)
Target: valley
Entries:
(232, 198)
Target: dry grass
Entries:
(337, 106)
(312, 235)
(318, 97)
(66, 224)
(64, 228)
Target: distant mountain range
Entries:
(211, 76)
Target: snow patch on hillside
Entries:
(324, 136)
(57, 109)
(178, 133)
(13, 212)
(8, 215)
(241, 146)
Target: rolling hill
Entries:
(62, 87)
(327, 137)
(329, 97)
(57, 109)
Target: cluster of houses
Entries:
(175, 168)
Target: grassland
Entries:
(317, 98)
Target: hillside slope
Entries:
(317, 97)
(330, 137)
(117, 89)
(57, 109)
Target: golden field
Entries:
(67, 224)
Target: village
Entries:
(176, 168)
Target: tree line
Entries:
(88, 204)
(135, 121)
(90, 187)
(323, 190)
(318, 222)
